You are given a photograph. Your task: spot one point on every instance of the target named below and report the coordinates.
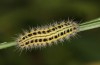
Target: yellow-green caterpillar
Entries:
(47, 35)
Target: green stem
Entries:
(82, 27)
(90, 25)
(7, 44)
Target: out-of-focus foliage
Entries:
(16, 15)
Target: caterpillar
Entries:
(47, 35)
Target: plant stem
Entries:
(82, 27)
(7, 44)
(90, 25)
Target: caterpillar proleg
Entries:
(47, 35)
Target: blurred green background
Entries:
(16, 15)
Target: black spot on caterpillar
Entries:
(47, 35)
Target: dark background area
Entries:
(16, 15)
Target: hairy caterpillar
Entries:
(47, 35)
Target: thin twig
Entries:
(7, 44)
(90, 25)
